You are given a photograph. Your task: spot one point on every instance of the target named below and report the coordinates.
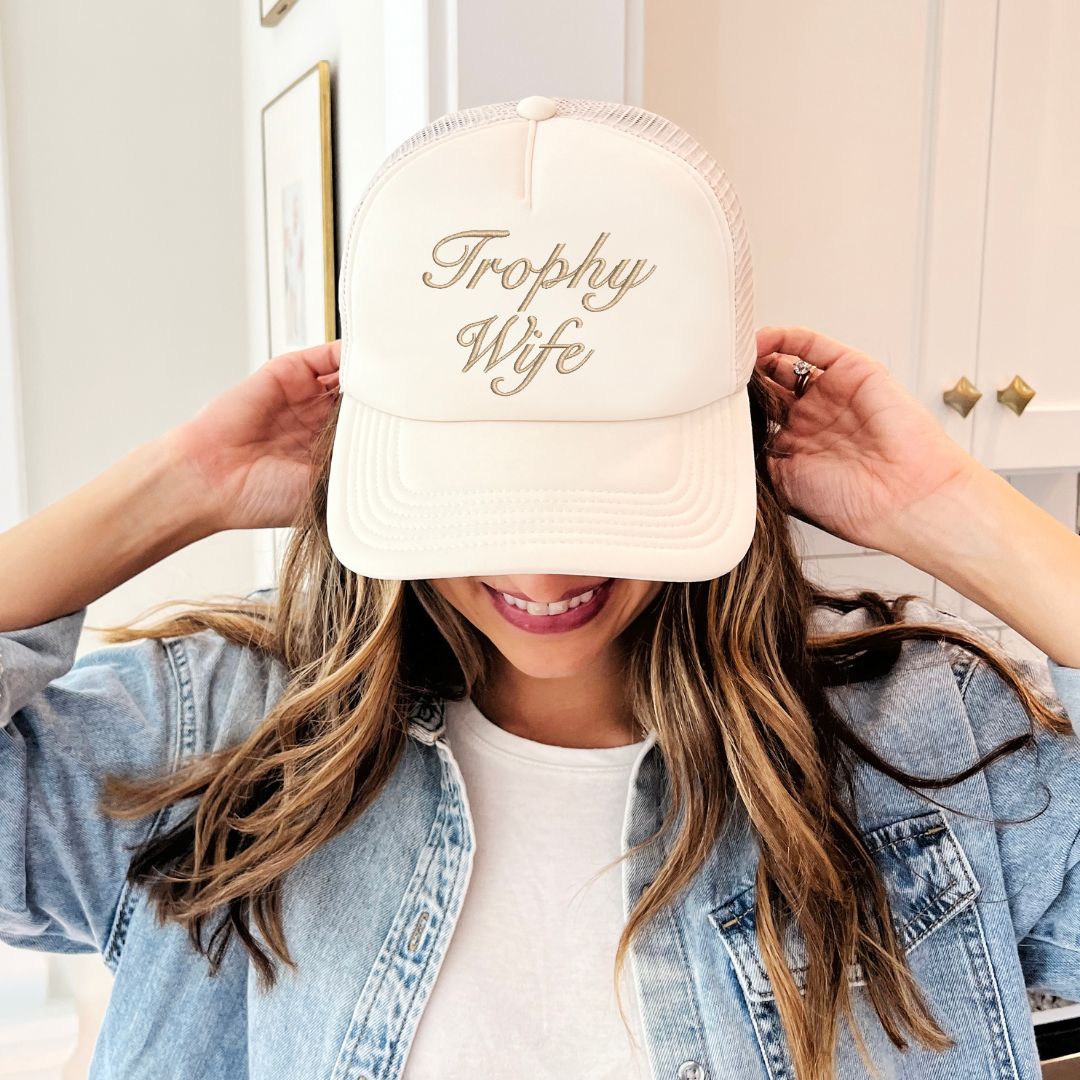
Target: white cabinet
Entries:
(817, 113)
(1031, 256)
(909, 174)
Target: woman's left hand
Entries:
(858, 450)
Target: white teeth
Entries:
(557, 607)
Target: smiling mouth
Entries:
(571, 611)
(572, 598)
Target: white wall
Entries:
(563, 48)
(12, 470)
(128, 262)
(123, 123)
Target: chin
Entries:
(547, 663)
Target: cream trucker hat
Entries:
(547, 332)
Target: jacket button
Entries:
(691, 1070)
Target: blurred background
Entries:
(908, 172)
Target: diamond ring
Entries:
(802, 369)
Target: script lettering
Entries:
(472, 264)
(474, 335)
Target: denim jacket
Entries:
(982, 912)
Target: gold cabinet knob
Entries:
(1016, 395)
(962, 396)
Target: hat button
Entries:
(536, 108)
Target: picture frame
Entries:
(298, 214)
(298, 223)
(271, 12)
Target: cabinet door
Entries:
(856, 135)
(1031, 272)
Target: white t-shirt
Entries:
(526, 986)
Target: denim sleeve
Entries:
(1040, 857)
(64, 724)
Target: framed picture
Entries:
(298, 207)
(271, 12)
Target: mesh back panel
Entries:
(654, 129)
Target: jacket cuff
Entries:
(32, 657)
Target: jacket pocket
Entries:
(926, 876)
(932, 892)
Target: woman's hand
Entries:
(250, 446)
(864, 460)
(859, 452)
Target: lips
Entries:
(570, 619)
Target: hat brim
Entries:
(669, 498)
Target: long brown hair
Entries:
(726, 672)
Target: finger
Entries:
(819, 349)
(318, 359)
(780, 369)
(296, 372)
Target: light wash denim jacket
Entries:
(981, 912)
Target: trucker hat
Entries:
(547, 333)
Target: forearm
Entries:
(1001, 550)
(75, 550)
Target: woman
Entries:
(830, 758)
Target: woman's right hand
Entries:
(250, 447)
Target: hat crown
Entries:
(586, 263)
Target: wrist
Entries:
(995, 546)
(968, 533)
(180, 507)
(75, 550)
